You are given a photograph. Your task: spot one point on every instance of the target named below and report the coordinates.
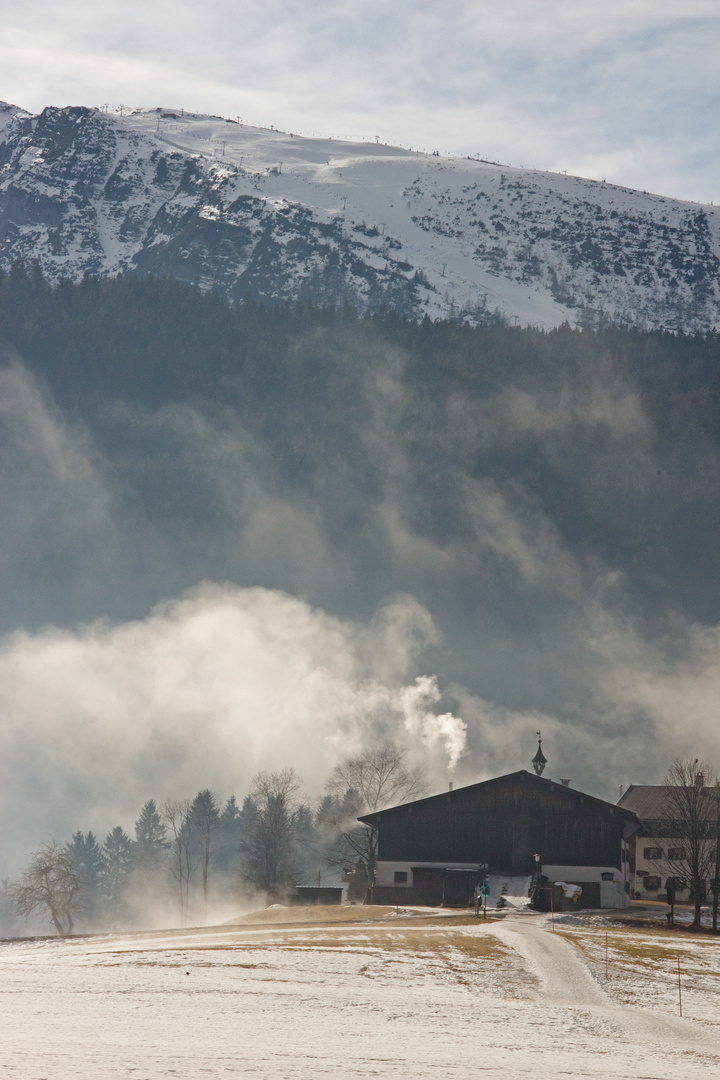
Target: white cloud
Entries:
(638, 705)
(625, 91)
(204, 692)
(224, 681)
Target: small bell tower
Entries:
(539, 761)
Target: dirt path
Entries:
(565, 979)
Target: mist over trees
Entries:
(275, 828)
(50, 886)
(363, 785)
(547, 503)
(613, 434)
(189, 858)
(193, 864)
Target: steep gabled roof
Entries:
(653, 802)
(521, 775)
(648, 801)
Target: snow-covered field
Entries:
(398, 997)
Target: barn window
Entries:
(652, 884)
(401, 877)
(652, 853)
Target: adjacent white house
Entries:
(658, 851)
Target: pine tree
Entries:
(229, 837)
(8, 920)
(118, 856)
(151, 841)
(204, 820)
(270, 842)
(307, 854)
(89, 863)
(150, 855)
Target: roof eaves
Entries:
(372, 819)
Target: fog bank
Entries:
(207, 690)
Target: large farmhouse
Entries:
(433, 851)
(659, 853)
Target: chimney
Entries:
(565, 781)
(450, 786)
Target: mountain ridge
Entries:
(253, 212)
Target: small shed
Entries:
(317, 894)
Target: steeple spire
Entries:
(539, 761)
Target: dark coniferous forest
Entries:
(613, 435)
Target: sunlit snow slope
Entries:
(268, 214)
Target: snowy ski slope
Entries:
(251, 211)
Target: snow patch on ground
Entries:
(510, 892)
(386, 999)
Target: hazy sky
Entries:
(334, 592)
(625, 90)
(620, 91)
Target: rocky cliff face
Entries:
(267, 214)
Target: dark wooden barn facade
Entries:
(433, 850)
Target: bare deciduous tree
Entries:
(174, 814)
(49, 884)
(372, 781)
(715, 883)
(690, 810)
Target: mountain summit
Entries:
(251, 212)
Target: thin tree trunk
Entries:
(716, 881)
(56, 922)
(698, 893)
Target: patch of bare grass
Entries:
(642, 967)
(431, 937)
(324, 914)
(662, 927)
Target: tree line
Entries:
(158, 338)
(318, 393)
(188, 855)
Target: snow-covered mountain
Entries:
(264, 213)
